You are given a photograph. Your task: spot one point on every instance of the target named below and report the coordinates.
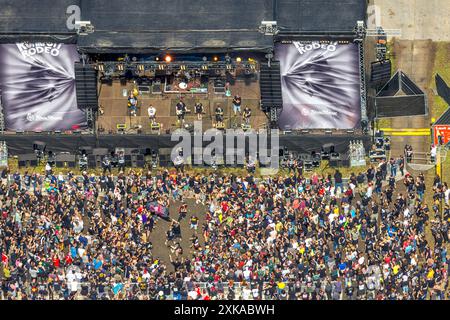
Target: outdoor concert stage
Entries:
(292, 69)
(113, 101)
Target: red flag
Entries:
(4, 258)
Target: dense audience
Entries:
(87, 237)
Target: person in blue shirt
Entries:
(16, 178)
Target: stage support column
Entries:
(360, 37)
(2, 118)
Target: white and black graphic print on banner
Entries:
(37, 85)
(320, 85)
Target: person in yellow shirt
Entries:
(430, 274)
(279, 226)
(395, 269)
(301, 250)
(6, 273)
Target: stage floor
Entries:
(114, 105)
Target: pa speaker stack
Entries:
(138, 161)
(28, 160)
(270, 85)
(95, 159)
(65, 160)
(380, 72)
(86, 86)
(164, 157)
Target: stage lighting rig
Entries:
(101, 67)
(83, 28)
(141, 67)
(269, 28)
(360, 31)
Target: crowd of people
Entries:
(283, 237)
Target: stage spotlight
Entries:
(101, 67)
(141, 67)
(120, 67)
(215, 58)
(168, 58)
(238, 59)
(183, 67)
(157, 58)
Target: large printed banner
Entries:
(37, 85)
(320, 85)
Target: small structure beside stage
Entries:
(441, 129)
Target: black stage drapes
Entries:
(21, 144)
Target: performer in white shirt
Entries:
(152, 113)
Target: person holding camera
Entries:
(121, 162)
(106, 164)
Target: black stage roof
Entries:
(176, 24)
(444, 119)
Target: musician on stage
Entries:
(199, 110)
(132, 103)
(246, 115)
(181, 111)
(219, 115)
(152, 114)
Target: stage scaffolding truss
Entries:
(360, 31)
(2, 118)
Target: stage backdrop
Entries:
(37, 85)
(320, 85)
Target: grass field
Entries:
(391, 55)
(446, 168)
(441, 67)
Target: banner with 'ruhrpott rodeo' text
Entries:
(37, 87)
(320, 84)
